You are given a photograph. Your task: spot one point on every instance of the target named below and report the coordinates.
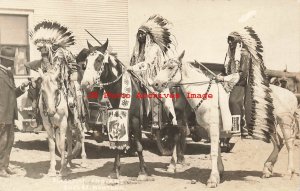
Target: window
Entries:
(14, 33)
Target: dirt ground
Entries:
(243, 168)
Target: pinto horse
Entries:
(107, 69)
(208, 114)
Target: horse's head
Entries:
(284, 82)
(170, 73)
(288, 83)
(94, 64)
(50, 90)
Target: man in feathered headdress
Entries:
(153, 41)
(52, 40)
(250, 101)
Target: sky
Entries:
(201, 27)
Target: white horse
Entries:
(54, 111)
(53, 107)
(208, 114)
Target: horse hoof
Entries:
(267, 171)
(70, 164)
(213, 181)
(64, 173)
(181, 167)
(212, 185)
(114, 175)
(144, 177)
(83, 165)
(266, 175)
(171, 169)
(51, 173)
(289, 175)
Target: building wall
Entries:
(201, 27)
(103, 18)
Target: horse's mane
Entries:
(196, 67)
(82, 55)
(114, 59)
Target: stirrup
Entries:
(236, 124)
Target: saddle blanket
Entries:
(224, 108)
(117, 126)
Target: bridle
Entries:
(179, 68)
(97, 82)
(45, 106)
(58, 101)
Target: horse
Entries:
(53, 108)
(104, 68)
(292, 85)
(208, 116)
(284, 82)
(78, 134)
(58, 119)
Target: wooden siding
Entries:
(103, 18)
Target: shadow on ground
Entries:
(201, 175)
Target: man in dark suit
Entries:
(8, 107)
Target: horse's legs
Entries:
(63, 131)
(117, 164)
(143, 169)
(181, 144)
(81, 124)
(83, 153)
(175, 134)
(181, 165)
(277, 146)
(288, 131)
(220, 163)
(172, 166)
(69, 141)
(51, 142)
(52, 171)
(137, 133)
(177, 160)
(214, 178)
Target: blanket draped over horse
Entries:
(107, 71)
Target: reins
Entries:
(97, 82)
(204, 98)
(191, 83)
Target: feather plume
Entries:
(262, 117)
(49, 33)
(159, 29)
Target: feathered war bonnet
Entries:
(259, 106)
(158, 28)
(47, 33)
(248, 38)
